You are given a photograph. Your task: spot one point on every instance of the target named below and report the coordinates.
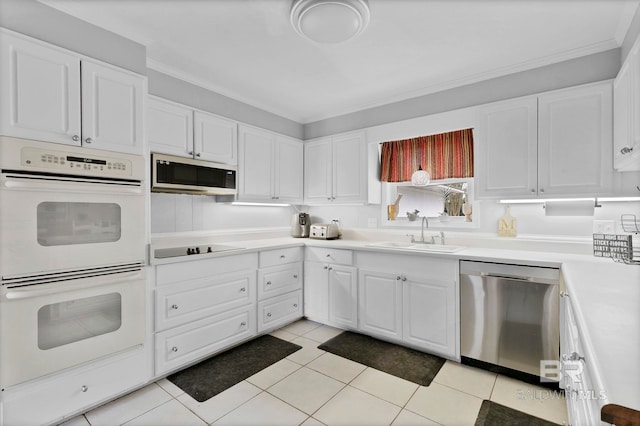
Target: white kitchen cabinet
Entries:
(380, 304)
(177, 129)
(410, 299)
(335, 169)
(48, 400)
(181, 345)
(626, 113)
(578, 378)
(54, 95)
(555, 144)
(279, 287)
(270, 167)
(574, 141)
(330, 287)
(202, 307)
(507, 144)
(112, 110)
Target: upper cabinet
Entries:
(270, 167)
(335, 169)
(554, 144)
(177, 129)
(626, 114)
(53, 95)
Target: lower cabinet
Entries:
(330, 287)
(56, 397)
(410, 299)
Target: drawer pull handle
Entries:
(269, 314)
(242, 290)
(174, 349)
(268, 282)
(242, 324)
(175, 307)
(84, 388)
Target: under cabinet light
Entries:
(544, 200)
(241, 203)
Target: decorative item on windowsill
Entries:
(413, 216)
(507, 224)
(467, 209)
(420, 177)
(392, 209)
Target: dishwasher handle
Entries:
(506, 276)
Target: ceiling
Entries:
(247, 49)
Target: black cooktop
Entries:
(192, 250)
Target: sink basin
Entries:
(400, 245)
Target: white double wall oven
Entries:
(72, 256)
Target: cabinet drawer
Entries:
(329, 255)
(203, 268)
(280, 256)
(278, 280)
(182, 303)
(279, 310)
(68, 393)
(181, 345)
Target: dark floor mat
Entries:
(218, 373)
(415, 366)
(493, 414)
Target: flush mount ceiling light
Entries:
(329, 21)
(420, 177)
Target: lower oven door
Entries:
(50, 225)
(46, 328)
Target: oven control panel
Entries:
(65, 162)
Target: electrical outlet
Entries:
(604, 226)
(372, 222)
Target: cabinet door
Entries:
(288, 170)
(317, 171)
(316, 291)
(380, 304)
(575, 141)
(39, 91)
(256, 149)
(169, 127)
(112, 110)
(507, 149)
(429, 314)
(215, 138)
(626, 124)
(343, 296)
(349, 168)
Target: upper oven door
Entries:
(61, 224)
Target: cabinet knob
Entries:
(295, 276)
(326, 267)
(398, 277)
(542, 190)
(242, 324)
(329, 198)
(268, 282)
(75, 138)
(328, 255)
(404, 278)
(626, 150)
(88, 140)
(242, 290)
(174, 349)
(175, 307)
(533, 191)
(269, 314)
(330, 268)
(198, 155)
(282, 256)
(84, 388)
(295, 305)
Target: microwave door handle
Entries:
(70, 186)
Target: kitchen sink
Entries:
(400, 245)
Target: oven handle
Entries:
(69, 185)
(78, 284)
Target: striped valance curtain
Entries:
(445, 155)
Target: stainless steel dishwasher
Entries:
(509, 316)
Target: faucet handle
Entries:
(413, 239)
(442, 238)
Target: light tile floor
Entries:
(314, 387)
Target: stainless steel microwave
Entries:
(184, 175)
